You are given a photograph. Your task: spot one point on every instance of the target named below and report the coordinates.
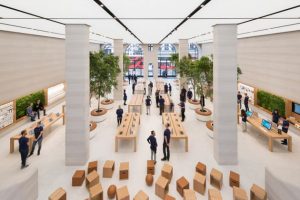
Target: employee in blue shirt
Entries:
(124, 97)
(275, 117)
(166, 144)
(161, 105)
(246, 102)
(153, 145)
(285, 129)
(23, 148)
(119, 113)
(38, 134)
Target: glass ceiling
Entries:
(151, 20)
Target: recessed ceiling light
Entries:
(201, 6)
(101, 5)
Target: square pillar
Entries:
(225, 91)
(150, 56)
(118, 51)
(77, 94)
(183, 50)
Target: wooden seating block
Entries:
(96, 192)
(214, 194)
(161, 187)
(169, 197)
(234, 179)
(257, 193)
(216, 178)
(122, 193)
(189, 195)
(92, 179)
(239, 194)
(92, 166)
(150, 167)
(59, 194)
(199, 183)
(108, 168)
(124, 170)
(167, 172)
(78, 178)
(182, 184)
(141, 196)
(201, 168)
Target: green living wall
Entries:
(271, 102)
(23, 102)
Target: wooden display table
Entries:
(124, 170)
(189, 195)
(47, 122)
(59, 194)
(201, 168)
(239, 194)
(214, 194)
(136, 103)
(161, 187)
(167, 172)
(234, 179)
(96, 192)
(257, 193)
(108, 168)
(141, 196)
(78, 178)
(271, 134)
(182, 184)
(168, 100)
(216, 178)
(128, 130)
(177, 130)
(122, 193)
(160, 85)
(150, 167)
(141, 80)
(199, 183)
(139, 89)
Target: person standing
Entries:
(161, 105)
(166, 88)
(148, 104)
(38, 135)
(38, 107)
(166, 144)
(189, 94)
(246, 102)
(182, 110)
(183, 92)
(275, 117)
(23, 148)
(124, 97)
(150, 87)
(30, 112)
(133, 87)
(129, 77)
(119, 113)
(170, 89)
(153, 146)
(171, 106)
(244, 120)
(157, 98)
(239, 99)
(285, 129)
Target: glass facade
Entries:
(136, 55)
(165, 67)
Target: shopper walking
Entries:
(38, 135)
(124, 97)
(166, 144)
(161, 105)
(166, 88)
(182, 110)
(23, 148)
(275, 117)
(246, 102)
(239, 99)
(244, 120)
(133, 87)
(148, 104)
(153, 146)
(170, 89)
(119, 113)
(157, 98)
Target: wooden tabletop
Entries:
(136, 100)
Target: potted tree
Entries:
(126, 63)
(175, 59)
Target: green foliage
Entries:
(271, 102)
(239, 72)
(126, 63)
(175, 60)
(23, 102)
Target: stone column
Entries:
(150, 57)
(77, 96)
(183, 50)
(225, 91)
(118, 51)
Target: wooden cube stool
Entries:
(122, 193)
(96, 192)
(201, 168)
(239, 194)
(161, 187)
(216, 178)
(108, 168)
(92, 179)
(182, 184)
(167, 172)
(150, 167)
(199, 183)
(149, 179)
(214, 194)
(257, 193)
(78, 178)
(189, 195)
(111, 191)
(59, 194)
(234, 179)
(92, 166)
(169, 197)
(124, 170)
(141, 196)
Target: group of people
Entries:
(132, 78)
(168, 89)
(246, 100)
(33, 110)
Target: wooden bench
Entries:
(239, 194)
(122, 193)
(270, 134)
(214, 194)
(150, 167)
(128, 130)
(124, 170)
(92, 179)
(167, 172)
(257, 193)
(141, 196)
(181, 185)
(93, 165)
(199, 183)
(189, 195)
(177, 130)
(234, 179)
(161, 187)
(59, 194)
(96, 192)
(216, 178)
(136, 103)
(47, 122)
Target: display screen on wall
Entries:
(296, 108)
(246, 89)
(55, 93)
(6, 114)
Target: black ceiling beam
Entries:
(117, 19)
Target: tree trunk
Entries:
(99, 104)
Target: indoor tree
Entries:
(126, 63)
(174, 59)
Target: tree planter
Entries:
(203, 115)
(107, 104)
(98, 116)
(93, 127)
(194, 104)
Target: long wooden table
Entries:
(167, 99)
(160, 85)
(128, 130)
(271, 134)
(177, 130)
(139, 88)
(47, 122)
(136, 103)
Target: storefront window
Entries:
(136, 55)
(165, 67)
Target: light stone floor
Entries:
(252, 148)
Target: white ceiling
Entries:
(150, 30)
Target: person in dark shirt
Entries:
(129, 77)
(161, 105)
(183, 92)
(285, 129)
(275, 117)
(246, 102)
(133, 87)
(124, 97)
(150, 86)
(119, 113)
(153, 145)
(171, 106)
(166, 147)
(157, 98)
(170, 89)
(182, 109)
(239, 99)
(23, 148)
(38, 107)
(189, 94)
(166, 88)
(38, 135)
(148, 104)
(244, 120)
